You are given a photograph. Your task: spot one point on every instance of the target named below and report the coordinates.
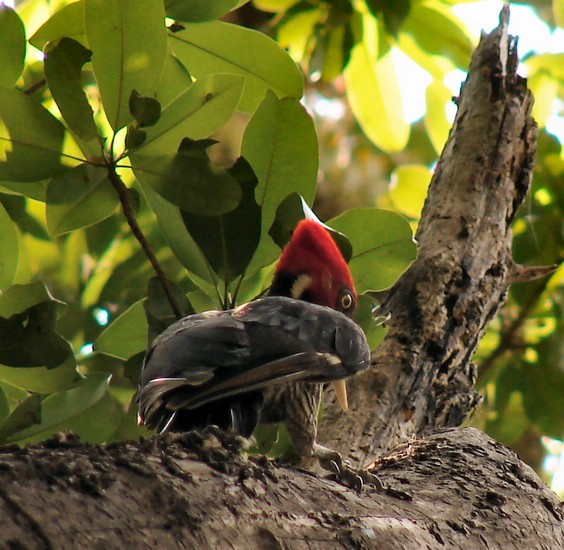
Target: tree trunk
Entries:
(454, 489)
(423, 377)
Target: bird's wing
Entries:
(205, 358)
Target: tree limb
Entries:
(422, 377)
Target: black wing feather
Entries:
(211, 367)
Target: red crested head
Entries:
(312, 268)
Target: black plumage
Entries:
(214, 368)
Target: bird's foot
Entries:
(344, 472)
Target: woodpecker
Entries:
(264, 361)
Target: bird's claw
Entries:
(344, 472)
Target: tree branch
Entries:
(129, 214)
(458, 489)
(423, 377)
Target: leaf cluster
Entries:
(119, 213)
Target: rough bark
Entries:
(454, 489)
(423, 374)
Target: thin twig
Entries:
(34, 87)
(129, 214)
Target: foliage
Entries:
(119, 112)
(109, 121)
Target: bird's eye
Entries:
(346, 300)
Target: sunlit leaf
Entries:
(31, 139)
(545, 91)
(374, 95)
(218, 47)
(195, 10)
(68, 21)
(196, 113)
(558, 12)
(408, 191)
(128, 41)
(188, 179)
(78, 198)
(435, 118)
(295, 31)
(12, 46)
(549, 63)
(175, 80)
(126, 335)
(280, 144)
(10, 249)
(383, 246)
(436, 30)
(63, 66)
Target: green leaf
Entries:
(158, 310)
(134, 137)
(218, 47)
(63, 67)
(197, 113)
(435, 118)
(128, 41)
(543, 385)
(79, 198)
(4, 406)
(12, 46)
(194, 11)
(19, 298)
(128, 427)
(26, 414)
(393, 12)
(10, 249)
(280, 144)
(550, 63)
(229, 241)
(41, 379)
(96, 423)
(383, 246)
(30, 339)
(175, 80)
(545, 90)
(145, 110)
(126, 336)
(437, 31)
(59, 409)
(68, 21)
(374, 95)
(180, 241)
(408, 191)
(188, 179)
(364, 316)
(31, 139)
